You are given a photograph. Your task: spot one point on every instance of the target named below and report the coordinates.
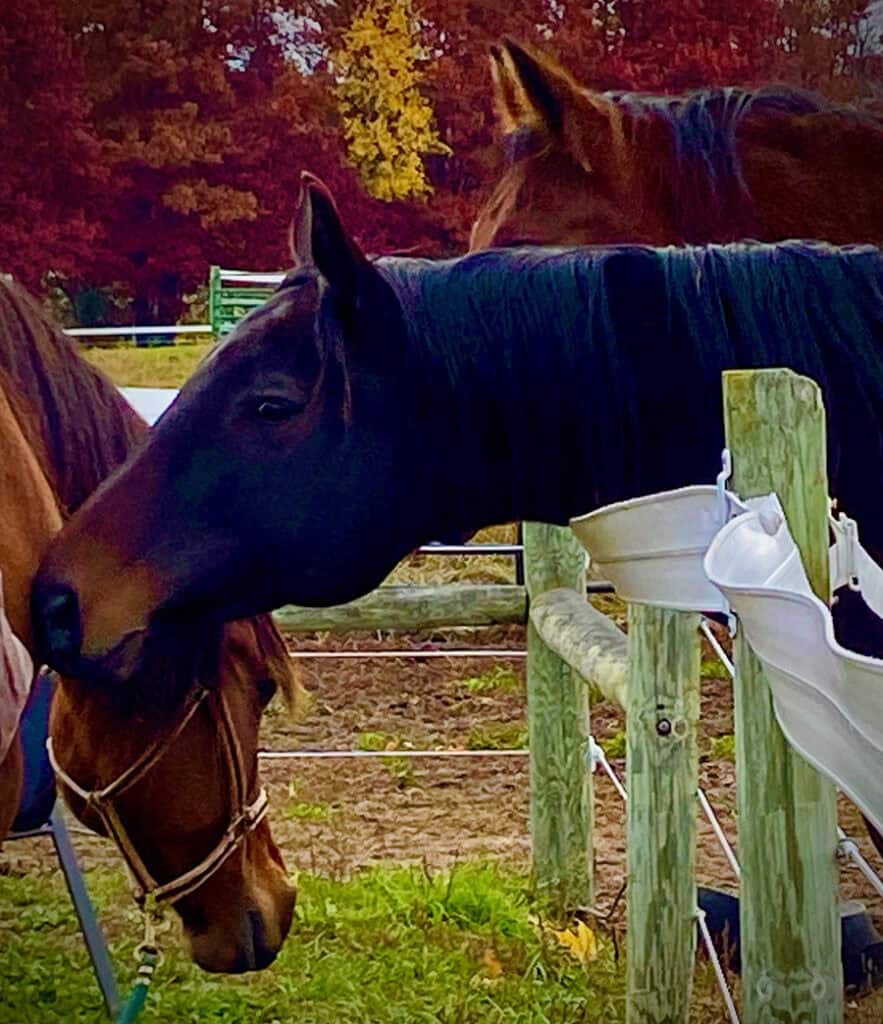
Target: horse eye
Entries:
(277, 410)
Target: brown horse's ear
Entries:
(318, 238)
(585, 124)
(509, 112)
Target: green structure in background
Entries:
(234, 293)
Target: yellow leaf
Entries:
(581, 944)
(492, 965)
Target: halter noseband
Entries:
(245, 820)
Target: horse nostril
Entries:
(57, 624)
(264, 955)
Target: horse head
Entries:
(713, 165)
(171, 776)
(568, 175)
(245, 494)
(168, 765)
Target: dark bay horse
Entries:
(719, 165)
(369, 406)
(186, 777)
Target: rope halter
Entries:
(245, 819)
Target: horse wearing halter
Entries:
(247, 816)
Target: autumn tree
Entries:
(51, 172)
(159, 81)
(145, 139)
(830, 46)
(387, 122)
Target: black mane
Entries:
(626, 332)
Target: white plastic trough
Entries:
(685, 550)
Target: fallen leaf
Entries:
(581, 944)
(492, 965)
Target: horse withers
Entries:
(167, 764)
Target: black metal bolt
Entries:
(663, 727)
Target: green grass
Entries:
(723, 748)
(305, 810)
(390, 946)
(165, 367)
(400, 768)
(498, 736)
(377, 741)
(614, 746)
(713, 668)
(499, 679)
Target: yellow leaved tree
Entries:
(388, 123)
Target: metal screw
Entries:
(663, 727)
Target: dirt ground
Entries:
(336, 816)
(445, 809)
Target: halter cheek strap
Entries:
(245, 819)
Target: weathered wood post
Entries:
(558, 726)
(663, 776)
(775, 429)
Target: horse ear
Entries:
(584, 123)
(319, 239)
(509, 111)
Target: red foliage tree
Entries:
(51, 171)
(145, 139)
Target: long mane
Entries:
(700, 180)
(624, 331)
(78, 422)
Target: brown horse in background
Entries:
(719, 165)
(715, 166)
(64, 428)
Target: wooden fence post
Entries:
(790, 926)
(663, 778)
(561, 810)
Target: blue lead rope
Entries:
(148, 956)
(132, 1007)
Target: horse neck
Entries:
(79, 424)
(506, 371)
(551, 388)
(815, 176)
(29, 518)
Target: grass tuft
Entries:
(498, 736)
(499, 679)
(389, 946)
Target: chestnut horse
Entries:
(29, 518)
(718, 165)
(187, 721)
(583, 167)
